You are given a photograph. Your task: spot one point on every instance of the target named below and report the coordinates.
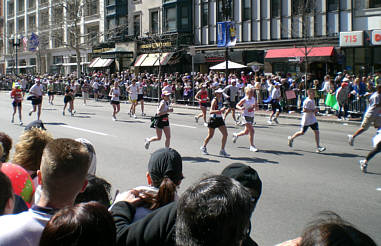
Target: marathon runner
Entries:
(51, 92)
(68, 98)
(161, 122)
(140, 95)
(376, 145)
(231, 92)
(114, 94)
(36, 93)
(248, 105)
(202, 98)
(17, 96)
(275, 104)
(216, 121)
(133, 94)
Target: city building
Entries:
(337, 34)
(47, 35)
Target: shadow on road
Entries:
(372, 173)
(86, 113)
(341, 155)
(94, 106)
(81, 116)
(253, 160)
(49, 109)
(182, 114)
(198, 159)
(131, 121)
(278, 152)
(55, 123)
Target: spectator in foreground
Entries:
(331, 230)
(165, 172)
(64, 167)
(214, 211)
(7, 200)
(84, 224)
(97, 190)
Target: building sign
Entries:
(376, 37)
(351, 39)
(226, 34)
(214, 58)
(97, 51)
(155, 45)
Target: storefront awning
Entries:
(99, 62)
(299, 52)
(150, 60)
(165, 57)
(139, 60)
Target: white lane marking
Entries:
(85, 130)
(378, 189)
(193, 127)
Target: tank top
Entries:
(220, 105)
(204, 96)
(115, 94)
(247, 104)
(165, 108)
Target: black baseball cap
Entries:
(165, 162)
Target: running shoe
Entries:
(238, 116)
(72, 114)
(223, 153)
(146, 143)
(196, 119)
(203, 150)
(290, 141)
(205, 124)
(253, 149)
(13, 120)
(114, 118)
(143, 114)
(276, 121)
(235, 137)
(363, 166)
(269, 122)
(135, 116)
(237, 122)
(350, 140)
(320, 149)
(30, 113)
(21, 123)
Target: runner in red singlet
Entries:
(202, 98)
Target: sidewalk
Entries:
(292, 115)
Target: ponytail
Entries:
(166, 194)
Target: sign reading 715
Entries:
(351, 39)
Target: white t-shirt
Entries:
(115, 94)
(275, 94)
(37, 90)
(374, 100)
(133, 90)
(309, 118)
(140, 88)
(247, 104)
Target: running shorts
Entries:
(68, 99)
(216, 122)
(36, 101)
(367, 121)
(16, 104)
(51, 93)
(314, 127)
(248, 120)
(204, 105)
(162, 122)
(115, 102)
(140, 97)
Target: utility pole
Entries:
(227, 4)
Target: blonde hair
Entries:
(247, 90)
(29, 148)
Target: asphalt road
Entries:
(297, 183)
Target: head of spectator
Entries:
(331, 230)
(165, 172)
(97, 190)
(6, 142)
(246, 176)
(214, 211)
(84, 224)
(378, 89)
(63, 172)
(29, 148)
(92, 154)
(6, 195)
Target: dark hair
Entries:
(215, 211)
(97, 190)
(7, 145)
(84, 224)
(6, 191)
(331, 230)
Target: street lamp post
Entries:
(16, 43)
(227, 5)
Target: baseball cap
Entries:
(245, 175)
(219, 90)
(165, 162)
(36, 124)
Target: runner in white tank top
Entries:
(114, 94)
(247, 105)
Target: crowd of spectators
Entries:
(70, 205)
(185, 86)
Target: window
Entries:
(275, 8)
(32, 61)
(137, 25)
(21, 26)
(21, 5)
(11, 8)
(92, 33)
(246, 15)
(58, 15)
(205, 13)
(220, 11)
(31, 23)
(374, 3)
(111, 23)
(110, 2)
(92, 8)
(155, 22)
(184, 17)
(332, 5)
(31, 4)
(300, 7)
(170, 19)
(44, 18)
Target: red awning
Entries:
(299, 52)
